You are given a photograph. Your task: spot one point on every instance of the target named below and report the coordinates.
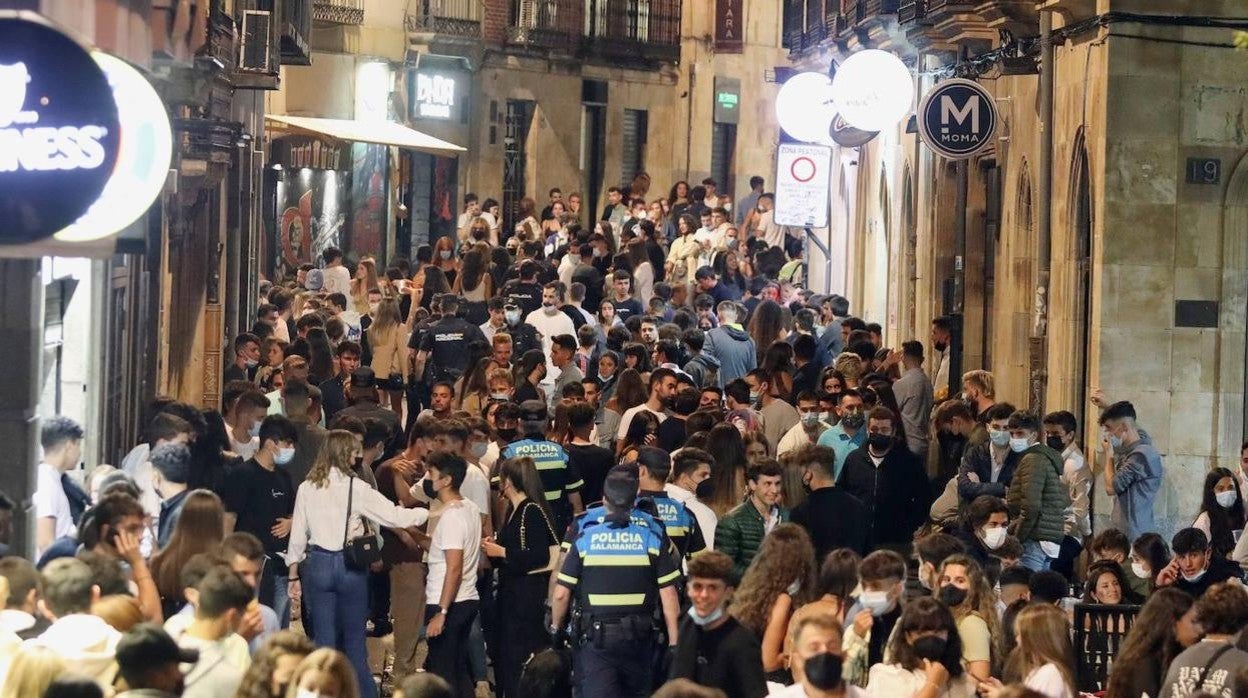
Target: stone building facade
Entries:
(1142, 293)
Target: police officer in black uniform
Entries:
(618, 574)
(446, 342)
(523, 337)
(526, 290)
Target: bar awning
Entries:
(380, 132)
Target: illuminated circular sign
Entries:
(59, 130)
(143, 160)
(804, 107)
(873, 90)
(958, 119)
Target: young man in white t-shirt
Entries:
(61, 438)
(451, 595)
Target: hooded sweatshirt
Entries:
(704, 370)
(86, 643)
(734, 349)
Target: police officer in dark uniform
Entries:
(618, 574)
(561, 481)
(654, 465)
(526, 290)
(523, 337)
(446, 342)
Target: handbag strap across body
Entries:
(346, 525)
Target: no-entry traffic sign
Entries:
(802, 181)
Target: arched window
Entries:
(1081, 229)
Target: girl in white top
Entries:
(337, 594)
(926, 656)
(1044, 659)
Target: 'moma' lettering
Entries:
(949, 112)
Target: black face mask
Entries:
(507, 435)
(1055, 443)
(930, 647)
(879, 442)
(940, 346)
(426, 486)
(951, 596)
(705, 489)
(824, 671)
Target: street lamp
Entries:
(873, 90)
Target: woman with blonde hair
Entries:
(850, 367)
(333, 508)
(779, 580)
(328, 673)
(964, 589)
(274, 664)
(119, 610)
(387, 337)
(31, 672)
(364, 281)
(1044, 660)
(200, 528)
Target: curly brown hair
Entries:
(257, 681)
(785, 555)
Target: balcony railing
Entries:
(911, 11)
(453, 17)
(296, 32)
(623, 29)
(550, 24)
(338, 11)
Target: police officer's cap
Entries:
(533, 411)
(620, 488)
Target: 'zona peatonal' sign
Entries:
(958, 119)
(59, 129)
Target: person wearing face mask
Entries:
(818, 662)
(808, 430)
(984, 530)
(942, 334)
(259, 498)
(848, 434)
(870, 621)
(1194, 567)
(988, 467)
(964, 590)
(778, 415)
(246, 359)
(1221, 511)
(713, 648)
(889, 480)
(833, 517)
(245, 405)
(689, 483)
(1037, 497)
(1059, 435)
(926, 655)
(1132, 470)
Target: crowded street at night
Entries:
(623, 348)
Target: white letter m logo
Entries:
(949, 111)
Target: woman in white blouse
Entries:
(1044, 659)
(337, 595)
(926, 657)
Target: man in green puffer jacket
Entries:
(1037, 498)
(741, 531)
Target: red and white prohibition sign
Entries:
(803, 169)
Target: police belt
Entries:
(633, 626)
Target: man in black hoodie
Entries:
(712, 648)
(890, 481)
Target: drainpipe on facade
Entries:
(958, 317)
(693, 81)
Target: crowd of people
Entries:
(615, 457)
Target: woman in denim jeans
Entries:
(338, 595)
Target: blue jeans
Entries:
(1033, 557)
(337, 599)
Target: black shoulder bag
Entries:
(361, 552)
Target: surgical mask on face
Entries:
(754, 397)
(1115, 442)
(500, 397)
(703, 621)
(876, 602)
(1140, 571)
(444, 254)
(255, 430)
(732, 243)
(251, 363)
(999, 437)
(284, 455)
(549, 308)
(512, 317)
(810, 419)
(994, 537)
(1226, 499)
(478, 449)
(825, 416)
(1018, 445)
(853, 420)
(1195, 577)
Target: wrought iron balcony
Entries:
(338, 11)
(452, 17)
(547, 24)
(296, 32)
(935, 6)
(646, 30)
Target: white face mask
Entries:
(1138, 570)
(994, 537)
(1226, 499)
(478, 448)
(876, 602)
(284, 455)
